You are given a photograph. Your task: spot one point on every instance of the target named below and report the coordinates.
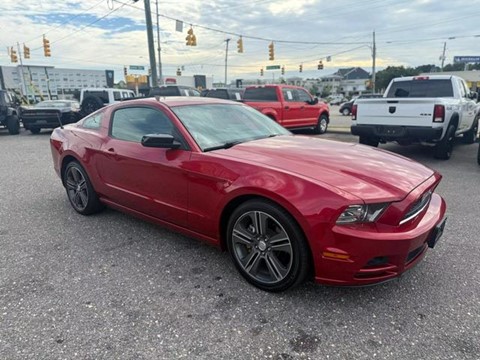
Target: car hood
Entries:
(368, 173)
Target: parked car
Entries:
(336, 99)
(173, 90)
(285, 207)
(49, 114)
(419, 109)
(291, 106)
(92, 99)
(235, 94)
(9, 112)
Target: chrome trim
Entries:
(427, 196)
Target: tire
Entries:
(346, 112)
(444, 148)
(270, 264)
(35, 130)
(368, 141)
(471, 135)
(322, 125)
(90, 104)
(478, 155)
(13, 125)
(80, 192)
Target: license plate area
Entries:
(436, 233)
(391, 130)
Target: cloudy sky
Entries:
(108, 34)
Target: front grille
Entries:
(417, 207)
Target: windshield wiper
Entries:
(226, 145)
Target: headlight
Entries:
(361, 213)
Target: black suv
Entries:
(173, 90)
(225, 93)
(9, 112)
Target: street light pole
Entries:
(160, 75)
(374, 54)
(151, 46)
(226, 59)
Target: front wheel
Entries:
(444, 148)
(322, 124)
(471, 135)
(80, 192)
(13, 125)
(368, 141)
(267, 246)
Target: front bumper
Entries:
(48, 121)
(371, 256)
(392, 132)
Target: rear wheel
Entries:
(322, 125)
(80, 192)
(13, 125)
(471, 135)
(267, 246)
(35, 130)
(346, 112)
(444, 148)
(370, 141)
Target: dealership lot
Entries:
(112, 286)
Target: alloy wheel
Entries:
(77, 188)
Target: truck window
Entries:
(289, 95)
(260, 94)
(303, 95)
(117, 95)
(103, 95)
(219, 94)
(421, 89)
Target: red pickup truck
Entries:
(291, 106)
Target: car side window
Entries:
(132, 123)
(288, 94)
(93, 121)
(117, 95)
(303, 95)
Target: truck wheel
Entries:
(322, 124)
(13, 125)
(368, 141)
(90, 104)
(444, 148)
(471, 135)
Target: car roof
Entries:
(172, 101)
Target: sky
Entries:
(109, 34)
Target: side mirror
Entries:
(473, 95)
(314, 101)
(165, 141)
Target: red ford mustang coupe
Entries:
(285, 207)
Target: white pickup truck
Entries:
(421, 109)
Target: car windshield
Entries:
(54, 104)
(216, 126)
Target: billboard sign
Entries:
(466, 59)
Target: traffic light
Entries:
(13, 55)
(179, 72)
(191, 38)
(46, 47)
(26, 52)
(320, 65)
(283, 70)
(261, 72)
(271, 51)
(125, 71)
(300, 68)
(240, 45)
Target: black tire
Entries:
(478, 155)
(346, 112)
(13, 125)
(471, 135)
(90, 104)
(444, 148)
(364, 140)
(80, 192)
(322, 124)
(35, 130)
(267, 263)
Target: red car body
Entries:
(314, 180)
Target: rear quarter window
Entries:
(260, 94)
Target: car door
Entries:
(310, 112)
(292, 108)
(145, 179)
(468, 107)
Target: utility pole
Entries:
(374, 54)
(160, 75)
(151, 46)
(442, 57)
(24, 86)
(226, 59)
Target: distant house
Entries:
(348, 81)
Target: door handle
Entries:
(111, 151)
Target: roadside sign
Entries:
(136, 67)
(273, 67)
(466, 59)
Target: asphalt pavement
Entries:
(110, 286)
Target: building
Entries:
(47, 82)
(348, 81)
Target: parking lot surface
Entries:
(110, 286)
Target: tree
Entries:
(384, 77)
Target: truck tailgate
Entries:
(395, 111)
